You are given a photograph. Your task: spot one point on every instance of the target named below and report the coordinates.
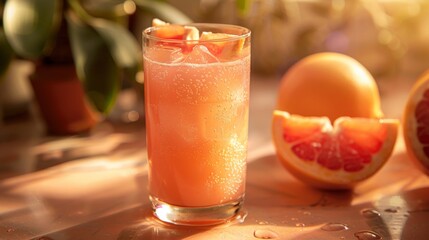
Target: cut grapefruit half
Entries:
(416, 123)
(334, 156)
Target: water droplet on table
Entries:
(265, 234)
(307, 213)
(239, 217)
(367, 235)
(331, 227)
(370, 213)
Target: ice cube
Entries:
(191, 33)
(200, 55)
(165, 54)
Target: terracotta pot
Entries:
(61, 100)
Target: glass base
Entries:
(196, 216)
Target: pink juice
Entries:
(197, 123)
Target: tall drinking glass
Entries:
(197, 108)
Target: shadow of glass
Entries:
(270, 185)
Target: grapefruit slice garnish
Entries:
(173, 31)
(176, 32)
(334, 156)
(416, 123)
(223, 49)
(223, 46)
(156, 22)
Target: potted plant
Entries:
(81, 57)
(6, 56)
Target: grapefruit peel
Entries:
(329, 84)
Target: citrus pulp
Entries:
(334, 156)
(416, 123)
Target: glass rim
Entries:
(233, 37)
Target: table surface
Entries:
(94, 187)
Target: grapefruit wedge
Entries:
(173, 31)
(223, 49)
(416, 123)
(332, 156)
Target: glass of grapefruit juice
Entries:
(197, 106)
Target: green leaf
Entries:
(243, 6)
(31, 24)
(95, 65)
(164, 11)
(6, 53)
(122, 44)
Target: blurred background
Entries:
(98, 43)
(389, 37)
